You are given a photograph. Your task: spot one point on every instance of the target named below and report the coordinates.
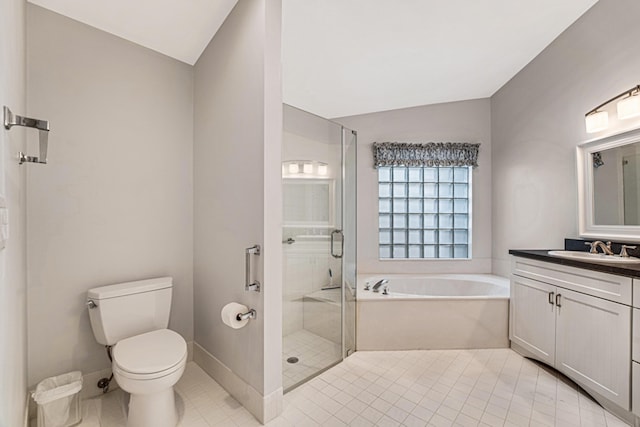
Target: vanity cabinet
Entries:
(533, 318)
(576, 320)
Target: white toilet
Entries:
(148, 358)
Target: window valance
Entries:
(428, 154)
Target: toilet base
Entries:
(155, 409)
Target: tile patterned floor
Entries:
(314, 353)
(200, 400)
(403, 388)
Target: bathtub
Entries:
(433, 311)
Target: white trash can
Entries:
(58, 400)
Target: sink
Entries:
(587, 256)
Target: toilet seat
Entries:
(150, 355)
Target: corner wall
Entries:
(464, 121)
(115, 202)
(537, 120)
(238, 198)
(13, 290)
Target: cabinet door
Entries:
(593, 344)
(532, 318)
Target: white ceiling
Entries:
(180, 29)
(347, 57)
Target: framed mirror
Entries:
(308, 203)
(609, 187)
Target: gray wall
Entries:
(238, 133)
(465, 121)
(115, 201)
(13, 289)
(538, 119)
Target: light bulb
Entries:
(597, 121)
(307, 168)
(629, 107)
(294, 168)
(322, 170)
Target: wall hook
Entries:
(11, 120)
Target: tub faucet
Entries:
(376, 287)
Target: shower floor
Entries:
(314, 353)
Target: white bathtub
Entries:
(433, 311)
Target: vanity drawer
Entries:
(602, 285)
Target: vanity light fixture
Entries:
(628, 107)
(597, 121)
(304, 169)
(307, 168)
(293, 168)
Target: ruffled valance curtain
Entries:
(428, 154)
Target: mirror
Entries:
(307, 203)
(609, 187)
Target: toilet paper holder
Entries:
(251, 314)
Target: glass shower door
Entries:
(312, 182)
(349, 157)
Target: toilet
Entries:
(148, 358)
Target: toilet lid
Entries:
(150, 352)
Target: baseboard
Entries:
(264, 408)
(189, 351)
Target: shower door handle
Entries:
(333, 234)
(248, 284)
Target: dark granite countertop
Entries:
(631, 270)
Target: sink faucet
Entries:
(606, 248)
(376, 287)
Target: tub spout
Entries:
(376, 287)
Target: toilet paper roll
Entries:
(230, 312)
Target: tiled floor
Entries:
(314, 353)
(417, 388)
(201, 402)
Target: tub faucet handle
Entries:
(366, 286)
(385, 290)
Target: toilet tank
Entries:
(128, 309)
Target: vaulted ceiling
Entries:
(346, 57)
(180, 29)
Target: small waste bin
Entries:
(58, 400)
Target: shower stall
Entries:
(318, 244)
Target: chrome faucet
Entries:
(376, 287)
(606, 248)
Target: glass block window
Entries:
(424, 212)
